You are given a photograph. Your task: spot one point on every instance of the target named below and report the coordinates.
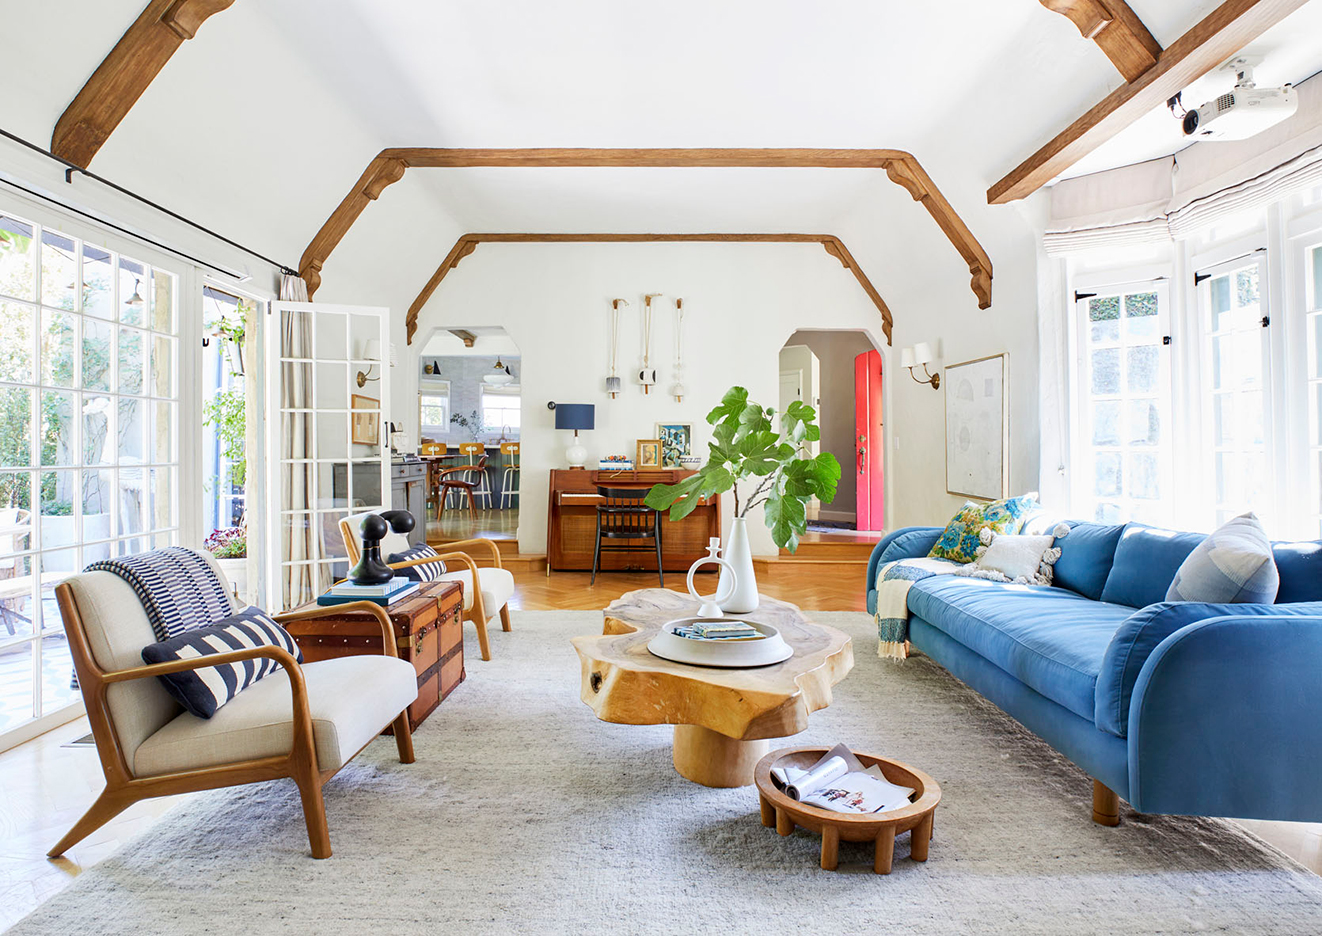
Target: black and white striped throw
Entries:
(178, 588)
(427, 572)
(203, 691)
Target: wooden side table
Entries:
(783, 813)
(428, 631)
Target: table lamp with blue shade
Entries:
(575, 416)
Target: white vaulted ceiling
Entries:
(260, 125)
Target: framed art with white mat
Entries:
(977, 428)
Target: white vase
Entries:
(740, 558)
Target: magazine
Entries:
(840, 782)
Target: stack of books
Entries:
(384, 595)
(615, 463)
(719, 630)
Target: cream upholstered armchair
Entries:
(481, 604)
(304, 722)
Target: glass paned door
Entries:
(327, 436)
(1231, 309)
(1125, 405)
(88, 438)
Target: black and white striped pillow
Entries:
(427, 572)
(203, 691)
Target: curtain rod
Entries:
(71, 168)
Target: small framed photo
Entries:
(649, 454)
(676, 442)
(366, 420)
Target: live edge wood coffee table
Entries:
(722, 717)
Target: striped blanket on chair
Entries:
(893, 582)
(178, 588)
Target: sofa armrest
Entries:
(904, 543)
(1144, 630)
(1226, 720)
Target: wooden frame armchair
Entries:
(485, 589)
(128, 708)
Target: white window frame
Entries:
(436, 389)
(512, 394)
(1100, 285)
(186, 433)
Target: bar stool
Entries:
(509, 479)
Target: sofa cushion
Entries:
(1085, 559)
(1300, 566)
(910, 544)
(497, 588)
(352, 698)
(1050, 639)
(960, 540)
(427, 572)
(1140, 634)
(1146, 559)
(1234, 564)
(203, 691)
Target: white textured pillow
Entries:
(1015, 557)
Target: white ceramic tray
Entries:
(732, 654)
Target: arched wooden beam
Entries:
(900, 167)
(125, 73)
(467, 243)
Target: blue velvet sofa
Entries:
(1182, 707)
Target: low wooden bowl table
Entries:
(783, 813)
(722, 717)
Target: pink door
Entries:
(869, 450)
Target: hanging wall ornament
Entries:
(647, 373)
(613, 381)
(677, 388)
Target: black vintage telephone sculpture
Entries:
(371, 570)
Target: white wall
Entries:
(741, 303)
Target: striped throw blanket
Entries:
(893, 582)
(177, 586)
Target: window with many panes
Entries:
(88, 457)
(1124, 383)
(1232, 318)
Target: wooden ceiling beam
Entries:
(125, 73)
(467, 243)
(1116, 29)
(467, 337)
(901, 167)
(1222, 33)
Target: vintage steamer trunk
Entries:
(428, 631)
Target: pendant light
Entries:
(500, 374)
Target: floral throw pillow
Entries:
(962, 536)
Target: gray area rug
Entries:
(523, 813)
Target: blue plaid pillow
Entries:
(427, 572)
(203, 691)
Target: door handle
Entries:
(862, 453)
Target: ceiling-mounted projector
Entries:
(1242, 112)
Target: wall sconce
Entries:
(373, 353)
(920, 353)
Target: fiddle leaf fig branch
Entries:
(776, 468)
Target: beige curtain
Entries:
(298, 541)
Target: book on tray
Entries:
(338, 596)
(363, 591)
(724, 630)
(839, 782)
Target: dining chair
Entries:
(623, 517)
(463, 480)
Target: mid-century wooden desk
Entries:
(571, 528)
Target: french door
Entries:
(326, 438)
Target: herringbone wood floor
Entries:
(47, 786)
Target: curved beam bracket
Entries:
(900, 167)
(467, 243)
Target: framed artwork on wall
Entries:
(977, 428)
(676, 442)
(649, 454)
(365, 428)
